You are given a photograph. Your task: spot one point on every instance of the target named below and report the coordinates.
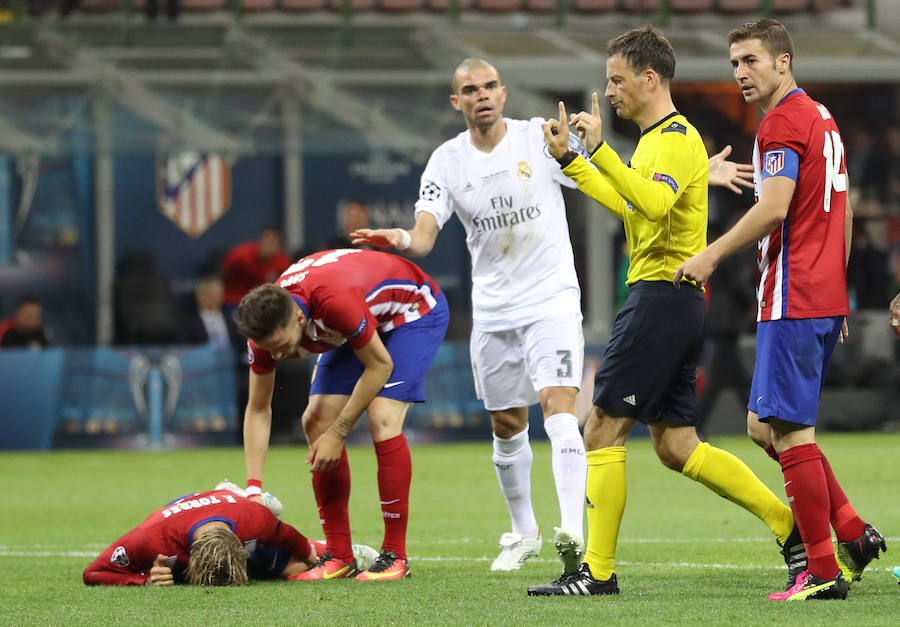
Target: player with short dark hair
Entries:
(802, 222)
(377, 321)
(204, 539)
(648, 371)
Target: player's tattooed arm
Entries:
(325, 452)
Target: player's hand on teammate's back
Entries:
(325, 453)
(728, 173)
(589, 125)
(160, 574)
(379, 238)
(556, 133)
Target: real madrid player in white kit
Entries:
(527, 343)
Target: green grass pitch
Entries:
(685, 555)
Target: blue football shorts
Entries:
(412, 347)
(792, 358)
(267, 562)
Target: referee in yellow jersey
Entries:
(649, 369)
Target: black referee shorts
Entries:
(649, 369)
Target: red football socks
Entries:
(847, 524)
(807, 491)
(332, 490)
(394, 475)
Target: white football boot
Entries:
(515, 549)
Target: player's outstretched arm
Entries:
(416, 242)
(258, 424)
(728, 173)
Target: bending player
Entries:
(378, 321)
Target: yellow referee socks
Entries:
(606, 491)
(727, 476)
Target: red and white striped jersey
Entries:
(349, 294)
(802, 262)
(170, 531)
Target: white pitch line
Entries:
(414, 558)
(49, 553)
(96, 548)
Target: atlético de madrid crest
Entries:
(193, 189)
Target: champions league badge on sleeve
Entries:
(120, 557)
(430, 191)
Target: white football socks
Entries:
(512, 460)
(569, 469)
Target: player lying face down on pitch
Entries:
(215, 538)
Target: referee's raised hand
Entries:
(556, 133)
(589, 125)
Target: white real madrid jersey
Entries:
(511, 206)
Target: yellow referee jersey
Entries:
(661, 196)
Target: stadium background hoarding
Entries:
(316, 109)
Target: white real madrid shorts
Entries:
(510, 367)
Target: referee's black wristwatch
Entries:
(569, 157)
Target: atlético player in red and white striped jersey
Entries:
(802, 261)
(377, 319)
(802, 221)
(188, 531)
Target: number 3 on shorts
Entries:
(565, 360)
